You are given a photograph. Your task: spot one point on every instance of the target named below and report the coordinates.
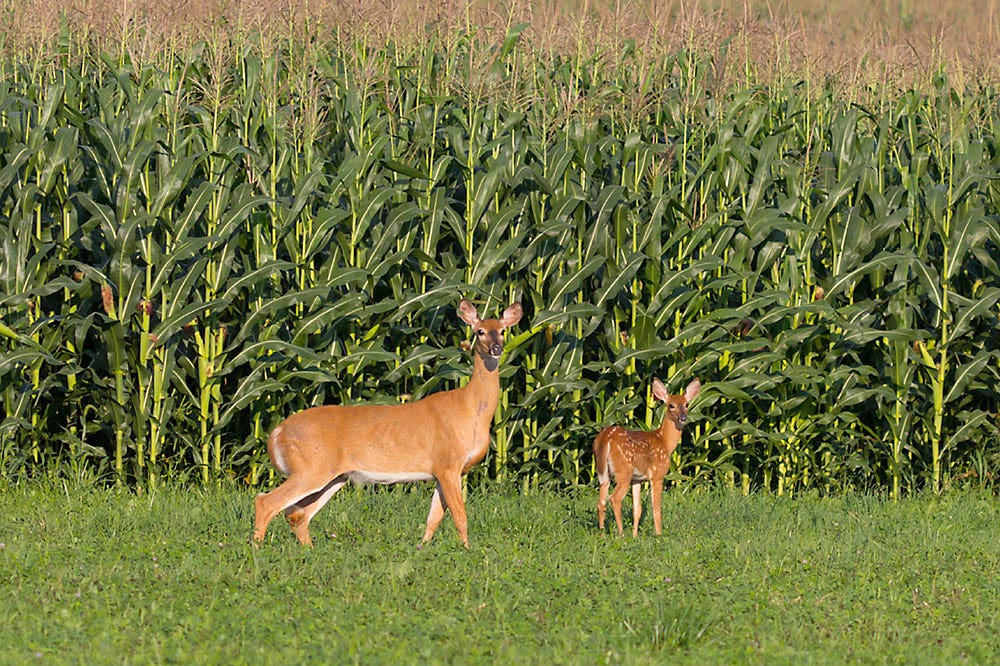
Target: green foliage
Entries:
(197, 247)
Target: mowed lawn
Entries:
(107, 576)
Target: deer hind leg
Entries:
(602, 502)
(602, 467)
(267, 505)
(617, 495)
(636, 508)
(435, 515)
(299, 514)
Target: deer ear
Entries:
(511, 315)
(467, 311)
(659, 390)
(692, 389)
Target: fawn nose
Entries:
(496, 349)
(682, 420)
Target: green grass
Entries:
(108, 576)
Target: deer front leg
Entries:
(451, 490)
(636, 508)
(656, 490)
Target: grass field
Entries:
(107, 576)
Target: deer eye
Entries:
(481, 332)
(673, 406)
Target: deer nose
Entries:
(682, 420)
(496, 349)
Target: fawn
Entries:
(439, 437)
(633, 456)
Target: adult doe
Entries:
(633, 456)
(438, 437)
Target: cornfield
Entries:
(196, 245)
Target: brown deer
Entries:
(633, 456)
(439, 437)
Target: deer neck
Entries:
(484, 387)
(669, 434)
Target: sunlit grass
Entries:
(108, 576)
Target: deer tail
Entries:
(602, 448)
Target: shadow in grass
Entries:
(584, 514)
(671, 629)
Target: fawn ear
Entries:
(660, 391)
(511, 315)
(467, 311)
(692, 389)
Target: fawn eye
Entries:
(480, 332)
(673, 407)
